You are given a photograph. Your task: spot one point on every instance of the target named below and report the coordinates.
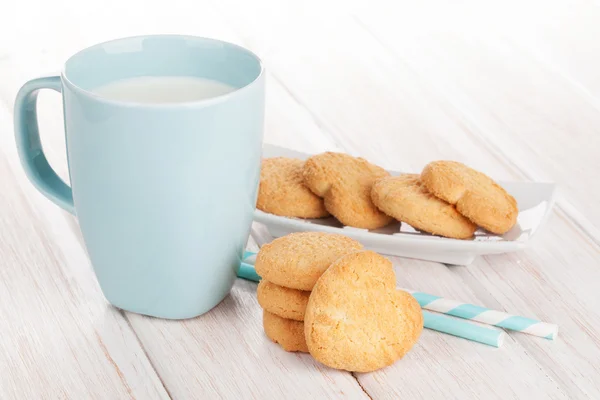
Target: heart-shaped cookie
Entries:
(476, 195)
(345, 182)
(356, 320)
(405, 198)
(282, 192)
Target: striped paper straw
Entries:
(436, 322)
(462, 329)
(485, 315)
(247, 270)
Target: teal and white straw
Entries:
(436, 322)
(485, 315)
(462, 329)
(247, 270)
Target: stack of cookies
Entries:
(447, 199)
(290, 267)
(321, 293)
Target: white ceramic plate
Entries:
(535, 201)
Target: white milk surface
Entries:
(163, 89)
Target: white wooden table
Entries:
(511, 88)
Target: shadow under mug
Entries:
(164, 193)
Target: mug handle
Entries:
(29, 146)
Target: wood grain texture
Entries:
(436, 81)
(225, 354)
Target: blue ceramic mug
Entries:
(164, 193)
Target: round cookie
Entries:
(405, 198)
(298, 260)
(475, 195)
(345, 184)
(288, 333)
(356, 320)
(284, 302)
(282, 192)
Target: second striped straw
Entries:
(485, 315)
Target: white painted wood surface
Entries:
(511, 88)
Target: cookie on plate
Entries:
(356, 319)
(298, 260)
(282, 192)
(345, 184)
(405, 198)
(289, 334)
(282, 301)
(475, 195)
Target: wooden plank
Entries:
(60, 339)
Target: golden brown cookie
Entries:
(282, 191)
(284, 302)
(356, 320)
(288, 333)
(405, 198)
(345, 184)
(297, 260)
(475, 195)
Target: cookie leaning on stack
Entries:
(290, 266)
(356, 319)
